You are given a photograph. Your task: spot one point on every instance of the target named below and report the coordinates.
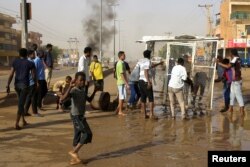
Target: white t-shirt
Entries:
(178, 74)
(144, 65)
(83, 65)
(234, 60)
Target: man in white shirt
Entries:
(175, 87)
(145, 83)
(84, 63)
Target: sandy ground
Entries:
(129, 141)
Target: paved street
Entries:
(122, 141)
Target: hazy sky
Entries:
(58, 20)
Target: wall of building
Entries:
(10, 39)
(232, 29)
(8, 42)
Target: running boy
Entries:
(82, 132)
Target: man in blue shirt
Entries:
(42, 89)
(48, 61)
(21, 67)
(32, 89)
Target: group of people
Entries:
(33, 70)
(31, 85)
(232, 81)
(140, 84)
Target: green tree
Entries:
(56, 52)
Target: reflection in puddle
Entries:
(167, 142)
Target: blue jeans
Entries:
(21, 91)
(134, 93)
(226, 93)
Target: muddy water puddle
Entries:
(166, 142)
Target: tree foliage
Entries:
(56, 51)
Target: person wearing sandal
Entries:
(21, 67)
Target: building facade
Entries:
(233, 23)
(34, 37)
(8, 39)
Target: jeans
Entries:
(134, 93)
(226, 93)
(21, 91)
(41, 92)
(236, 92)
(179, 95)
(31, 98)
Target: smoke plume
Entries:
(91, 24)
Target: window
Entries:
(1, 46)
(7, 36)
(248, 29)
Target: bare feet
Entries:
(74, 155)
(153, 117)
(74, 161)
(121, 114)
(60, 110)
(116, 110)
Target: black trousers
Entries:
(31, 99)
(41, 92)
(21, 91)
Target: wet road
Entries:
(129, 141)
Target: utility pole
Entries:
(209, 19)
(75, 40)
(73, 49)
(168, 33)
(101, 33)
(119, 35)
(114, 5)
(69, 41)
(24, 24)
